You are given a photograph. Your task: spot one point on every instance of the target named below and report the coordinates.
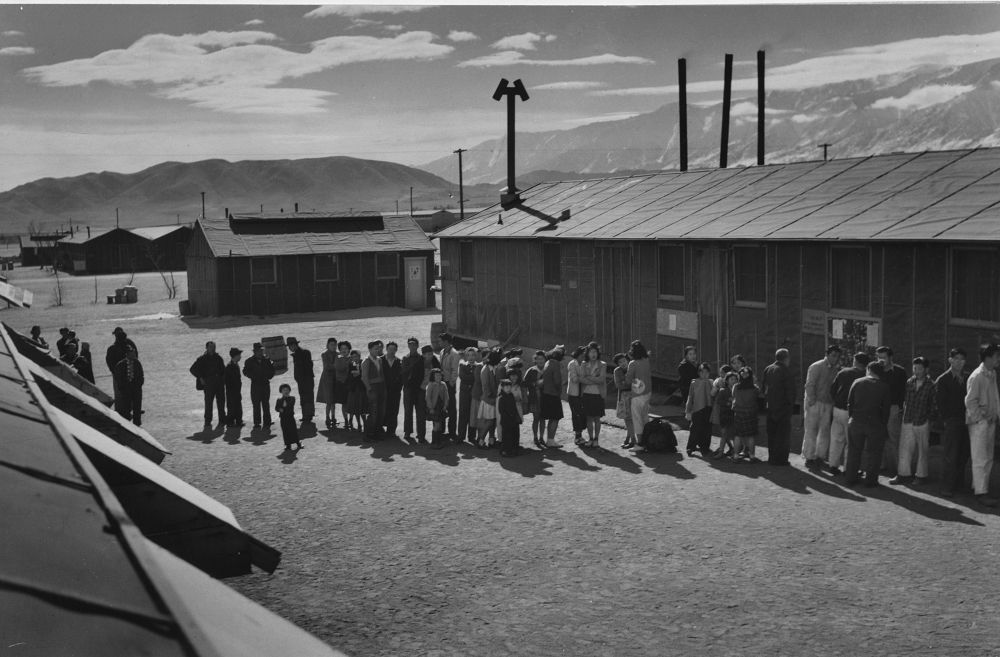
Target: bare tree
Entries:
(157, 259)
(95, 290)
(57, 291)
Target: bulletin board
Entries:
(677, 323)
(853, 334)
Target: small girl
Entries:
(510, 417)
(699, 412)
(285, 406)
(623, 409)
(437, 406)
(724, 402)
(745, 395)
(357, 398)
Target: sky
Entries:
(122, 87)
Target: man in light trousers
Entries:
(918, 411)
(819, 407)
(839, 390)
(982, 407)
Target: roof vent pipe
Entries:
(227, 213)
(296, 207)
(760, 108)
(727, 92)
(682, 110)
(88, 232)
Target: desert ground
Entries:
(401, 550)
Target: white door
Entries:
(416, 283)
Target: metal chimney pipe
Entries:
(203, 205)
(88, 232)
(682, 110)
(727, 92)
(760, 108)
(227, 213)
(296, 207)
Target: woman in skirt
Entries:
(745, 395)
(723, 391)
(357, 396)
(466, 370)
(532, 386)
(623, 409)
(698, 412)
(488, 403)
(342, 370)
(550, 401)
(285, 406)
(594, 384)
(325, 391)
(574, 394)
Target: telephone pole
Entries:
(461, 189)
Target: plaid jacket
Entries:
(918, 406)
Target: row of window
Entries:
(325, 268)
(975, 277)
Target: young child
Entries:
(699, 412)
(724, 402)
(285, 406)
(623, 410)
(510, 419)
(437, 406)
(745, 395)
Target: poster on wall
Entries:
(678, 323)
(853, 334)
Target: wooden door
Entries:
(416, 282)
(450, 303)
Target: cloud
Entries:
(459, 35)
(569, 86)
(601, 118)
(233, 71)
(352, 11)
(364, 22)
(549, 38)
(255, 21)
(16, 51)
(864, 63)
(524, 41)
(13, 33)
(395, 28)
(934, 94)
(510, 58)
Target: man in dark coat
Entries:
(260, 370)
(868, 405)
(409, 397)
(778, 388)
(129, 378)
(234, 390)
(950, 390)
(210, 370)
(392, 370)
(61, 343)
(78, 362)
(116, 353)
(305, 378)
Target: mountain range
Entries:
(925, 109)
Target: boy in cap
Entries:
(305, 378)
(260, 370)
(234, 389)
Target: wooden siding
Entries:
(113, 252)
(203, 277)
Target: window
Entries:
(326, 268)
(670, 261)
(750, 266)
(262, 270)
(386, 265)
(466, 261)
(975, 292)
(850, 278)
(551, 260)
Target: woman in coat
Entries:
(550, 401)
(341, 370)
(574, 394)
(594, 388)
(357, 395)
(532, 385)
(326, 391)
(488, 403)
(639, 377)
(466, 372)
(436, 397)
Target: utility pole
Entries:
(203, 205)
(824, 147)
(411, 201)
(117, 225)
(461, 188)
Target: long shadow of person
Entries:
(920, 506)
(259, 436)
(612, 459)
(384, 450)
(307, 430)
(205, 436)
(803, 482)
(528, 463)
(571, 457)
(665, 463)
(288, 456)
(232, 435)
(447, 455)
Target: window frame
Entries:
(745, 303)
(383, 278)
(274, 270)
(659, 294)
(545, 284)
(336, 268)
(866, 312)
(461, 261)
(949, 293)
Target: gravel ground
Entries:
(402, 550)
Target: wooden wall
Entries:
(295, 289)
(203, 276)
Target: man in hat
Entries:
(374, 379)
(116, 353)
(210, 370)
(129, 378)
(260, 370)
(234, 390)
(450, 361)
(409, 397)
(305, 378)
